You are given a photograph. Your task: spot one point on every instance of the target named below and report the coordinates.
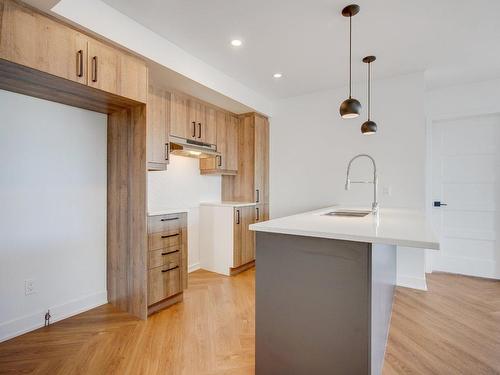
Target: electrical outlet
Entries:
(29, 287)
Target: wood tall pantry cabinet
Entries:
(251, 184)
(34, 40)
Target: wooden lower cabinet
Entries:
(244, 238)
(163, 283)
(167, 259)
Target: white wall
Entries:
(311, 146)
(53, 211)
(182, 186)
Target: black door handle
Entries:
(439, 204)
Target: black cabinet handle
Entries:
(170, 252)
(258, 216)
(258, 195)
(94, 69)
(237, 216)
(439, 204)
(199, 127)
(169, 218)
(170, 269)
(79, 63)
(194, 129)
(170, 235)
(219, 157)
(167, 151)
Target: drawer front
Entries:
(168, 258)
(163, 283)
(164, 240)
(164, 223)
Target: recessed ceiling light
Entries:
(236, 42)
(277, 75)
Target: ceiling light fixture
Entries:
(277, 75)
(369, 127)
(236, 42)
(350, 108)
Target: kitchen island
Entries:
(325, 285)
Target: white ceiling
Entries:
(453, 41)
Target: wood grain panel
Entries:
(126, 228)
(157, 132)
(169, 257)
(36, 41)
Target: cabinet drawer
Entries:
(164, 223)
(163, 283)
(168, 258)
(164, 240)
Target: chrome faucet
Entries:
(348, 182)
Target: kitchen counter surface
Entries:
(399, 227)
(228, 204)
(168, 211)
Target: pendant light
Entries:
(350, 108)
(369, 127)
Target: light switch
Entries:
(387, 190)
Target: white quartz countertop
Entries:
(168, 211)
(228, 204)
(391, 227)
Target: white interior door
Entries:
(466, 177)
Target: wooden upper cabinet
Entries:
(33, 40)
(104, 65)
(197, 118)
(179, 120)
(261, 155)
(231, 143)
(133, 82)
(40, 42)
(116, 72)
(227, 145)
(157, 129)
(209, 127)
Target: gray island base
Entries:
(323, 306)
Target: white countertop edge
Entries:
(348, 237)
(168, 211)
(228, 204)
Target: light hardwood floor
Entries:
(454, 328)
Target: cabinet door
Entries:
(103, 62)
(133, 78)
(163, 283)
(231, 144)
(179, 119)
(193, 127)
(157, 132)
(248, 236)
(209, 127)
(261, 160)
(30, 39)
(238, 237)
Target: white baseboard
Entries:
(466, 266)
(27, 323)
(193, 267)
(412, 282)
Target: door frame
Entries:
(429, 124)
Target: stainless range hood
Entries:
(192, 149)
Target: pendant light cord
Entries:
(350, 53)
(369, 91)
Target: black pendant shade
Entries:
(350, 108)
(369, 127)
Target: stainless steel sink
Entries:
(348, 213)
